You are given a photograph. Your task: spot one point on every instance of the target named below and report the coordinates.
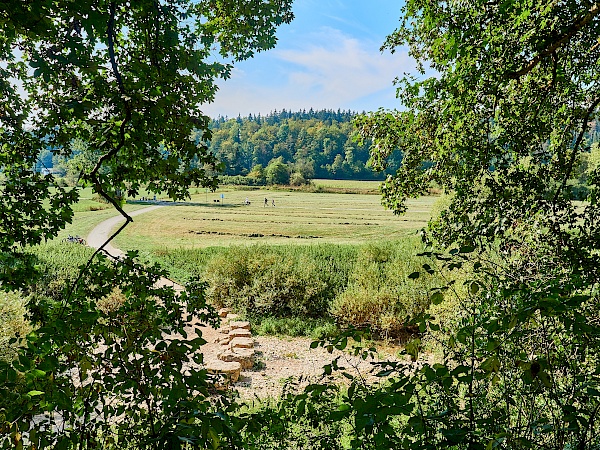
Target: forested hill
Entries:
(314, 144)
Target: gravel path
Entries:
(103, 230)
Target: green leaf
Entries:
(35, 393)
(437, 298)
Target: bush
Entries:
(13, 323)
(380, 295)
(58, 265)
(279, 281)
(296, 326)
(297, 179)
(267, 282)
(351, 284)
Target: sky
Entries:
(328, 58)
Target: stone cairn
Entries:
(237, 348)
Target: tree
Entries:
(277, 172)
(498, 115)
(127, 79)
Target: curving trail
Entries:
(103, 231)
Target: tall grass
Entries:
(279, 281)
(360, 285)
(379, 293)
(58, 266)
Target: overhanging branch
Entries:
(571, 31)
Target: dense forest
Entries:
(311, 144)
(279, 148)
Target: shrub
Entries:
(296, 326)
(13, 323)
(297, 179)
(266, 282)
(58, 267)
(380, 294)
(111, 302)
(279, 281)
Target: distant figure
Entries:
(273, 203)
(246, 202)
(266, 201)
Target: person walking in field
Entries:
(273, 203)
(266, 201)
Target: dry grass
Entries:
(298, 217)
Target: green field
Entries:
(89, 212)
(349, 185)
(296, 218)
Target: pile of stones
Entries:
(236, 351)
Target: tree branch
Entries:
(571, 31)
(93, 175)
(119, 78)
(575, 151)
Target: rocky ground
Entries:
(276, 361)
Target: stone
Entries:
(241, 342)
(236, 325)
(230, 369)
(245, 356)
(240, 332)
(225, 329)
(223, 339)
(223, 312)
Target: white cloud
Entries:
(329, 69)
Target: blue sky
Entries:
(328, 57)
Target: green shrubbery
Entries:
(380, 294)
(359, 285)
(58, 267)
(274, 281)
(13, 323)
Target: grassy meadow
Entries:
(297, 218)
(333, 254)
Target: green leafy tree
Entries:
(277, 172)
(501, 125)
(127, 79)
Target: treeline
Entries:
(287, 147)
(302, 144)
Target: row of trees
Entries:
(309, 144)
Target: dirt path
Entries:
(103, 230)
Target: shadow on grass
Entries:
(171, 203)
